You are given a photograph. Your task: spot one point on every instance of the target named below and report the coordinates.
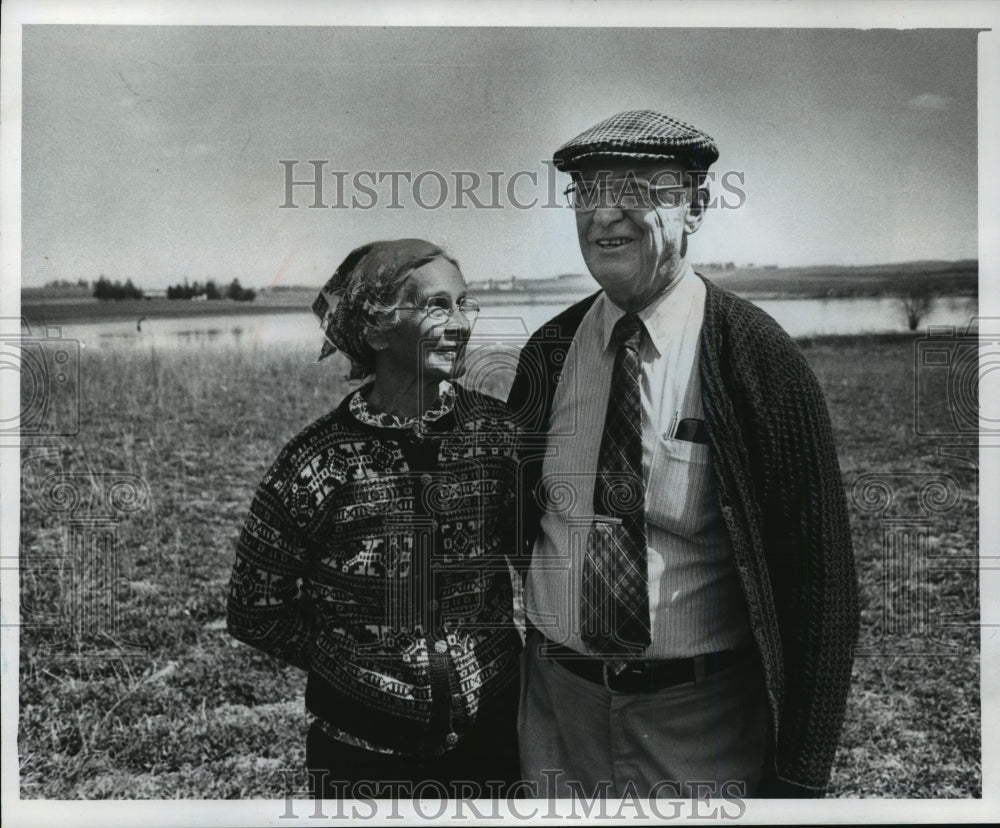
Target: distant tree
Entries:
(239, 293)
(916, 303)
(189, 291)
(130, 291)
(179, 291)
(104, 289)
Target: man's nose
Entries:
(604, 216)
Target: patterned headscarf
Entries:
(365, 285)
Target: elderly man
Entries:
(691, 596)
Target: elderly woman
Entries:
(373, 554)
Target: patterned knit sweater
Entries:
(777, 481)
(373, 557)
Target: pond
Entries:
(510, 322)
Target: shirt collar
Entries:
(364, 413)
(663, 318)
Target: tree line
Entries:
(210, 290)
(117, 290)
(104, 288)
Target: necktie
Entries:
(615, 589)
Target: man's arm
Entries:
(811, 566)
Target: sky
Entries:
(154, 152)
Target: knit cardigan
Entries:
(777, 482)
(373, 558)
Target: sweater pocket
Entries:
(677, 491)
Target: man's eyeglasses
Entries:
(441, 310)
(627, 193)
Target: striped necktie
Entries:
(615, 586)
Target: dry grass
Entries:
(191, 713)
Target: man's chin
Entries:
(621, 289)
(612, 275)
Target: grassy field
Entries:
(190, 713)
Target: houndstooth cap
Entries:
(642, 134)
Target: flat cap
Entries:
(643, 134)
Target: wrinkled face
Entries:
(635, 250)
(416, 344)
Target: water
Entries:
(509, 323)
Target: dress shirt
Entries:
(696, 604)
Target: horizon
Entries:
(223, 281)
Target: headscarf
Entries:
(363, 287)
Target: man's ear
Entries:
(696, 211)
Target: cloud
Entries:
(929, 101)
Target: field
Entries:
(144, 695)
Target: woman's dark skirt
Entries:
(482, 766)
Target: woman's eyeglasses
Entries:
(627, 193)
(441, 310)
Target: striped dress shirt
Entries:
(696, 603)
